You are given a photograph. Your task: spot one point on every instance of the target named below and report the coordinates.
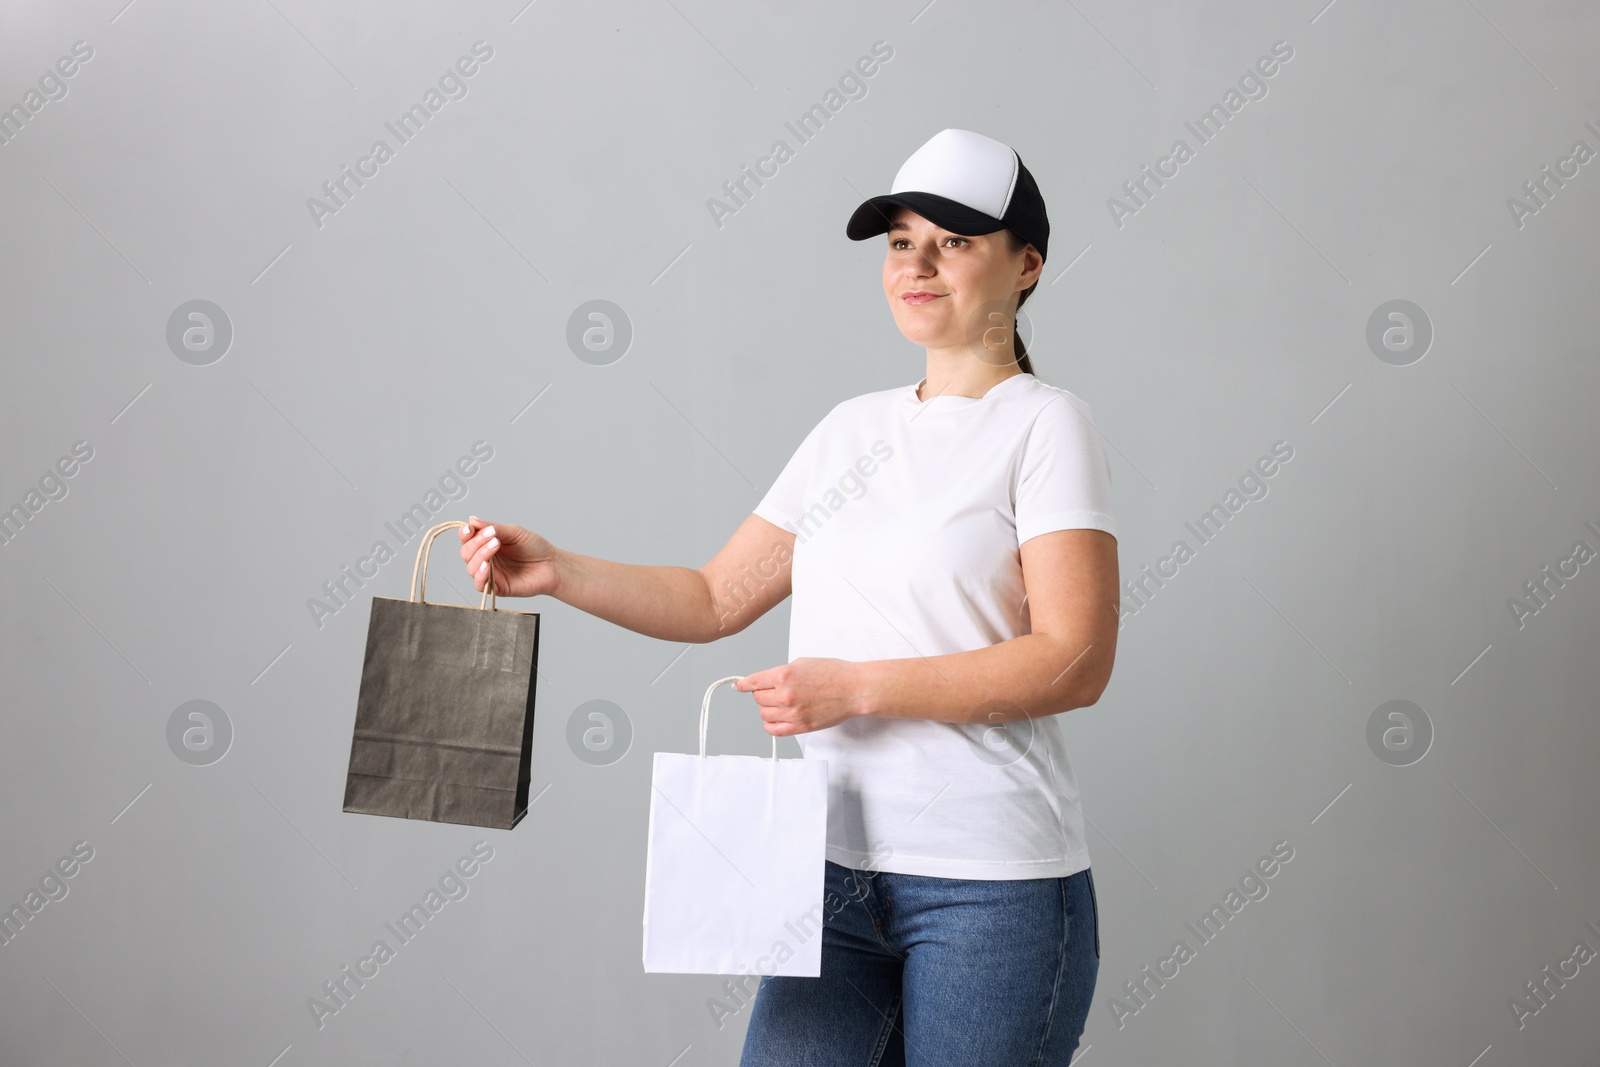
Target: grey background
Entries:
(369, 354)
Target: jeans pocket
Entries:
(1094, 907)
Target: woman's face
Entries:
(946, 290)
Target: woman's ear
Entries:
(1032, 266)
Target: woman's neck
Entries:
(972, 381)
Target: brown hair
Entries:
(1017, 244)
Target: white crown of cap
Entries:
(963, 166)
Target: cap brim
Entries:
(874, 214)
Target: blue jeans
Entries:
(936, 972)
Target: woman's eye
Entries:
(899, 243)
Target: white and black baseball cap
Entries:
(963, 182)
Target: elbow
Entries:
(1080, 682)
(1091, 697)
(716, 631)
(717, 620)
(1073, 699)
(1092, 686)
(713, 628)
(1058, 701)
(720, 621)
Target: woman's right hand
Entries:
(524, 562)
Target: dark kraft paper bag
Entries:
(444, 719)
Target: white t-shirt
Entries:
(908, 516)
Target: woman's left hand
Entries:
(807, 694)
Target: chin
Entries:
(919, 328)
(916, 333)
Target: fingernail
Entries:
(489, 530)
(483, 566)
(493, 541)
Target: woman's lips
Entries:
(921, 297)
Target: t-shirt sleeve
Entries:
(782, 503)
(1065, 479)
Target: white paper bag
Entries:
(733, 878)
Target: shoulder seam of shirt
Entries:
(1068, 393)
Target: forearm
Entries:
(668, 603)
(1024, 677)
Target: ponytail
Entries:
(1022, 354)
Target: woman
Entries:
(952, 555)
